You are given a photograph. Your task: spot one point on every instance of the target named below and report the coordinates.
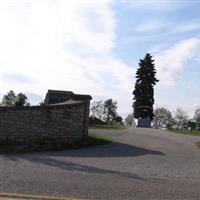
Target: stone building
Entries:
(62, 120)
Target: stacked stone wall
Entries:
(53, 125)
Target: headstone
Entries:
(144, 123)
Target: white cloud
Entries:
(152, 25)
(186, 26)
(171, 61)
(56, 43)
(155, 5)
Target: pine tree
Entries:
(144, 88)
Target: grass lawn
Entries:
(187, 132)
(91, 140)
(108, 127)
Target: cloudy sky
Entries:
(93, 47)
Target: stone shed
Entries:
(62, 120)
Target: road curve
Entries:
(138, 164)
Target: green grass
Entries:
(198, 144)
(91, 140)
(108, 127)
(186, 132)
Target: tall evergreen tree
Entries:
(144, 88)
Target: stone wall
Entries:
(54, 124)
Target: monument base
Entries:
(144, 123)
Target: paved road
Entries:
(139, 164)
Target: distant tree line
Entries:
(105, 112)
(178, 120)
(14, 100)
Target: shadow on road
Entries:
(59, 159)
(75, 167)
(114, 149)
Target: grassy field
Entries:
(91, 140)
(109, 127)
(186, 132)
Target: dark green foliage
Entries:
(11, 99)
(21, 100)
(110, 110)
(197, 117)
(192, 125)
(119, 120)
(144, 88)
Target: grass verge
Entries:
(91, 140)
(12, 196)
(108, 127)
(186, 132)
(198, 144)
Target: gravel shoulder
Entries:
(138, 164)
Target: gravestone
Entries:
(144, 123)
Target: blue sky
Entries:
(93, 47)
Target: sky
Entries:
(93, 47)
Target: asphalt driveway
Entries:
(139, 164)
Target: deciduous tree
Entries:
(11, 99)
(181, 118)
(130, 120)
(21, 100)
(162, 117)
(97, 109)
(118, 119)
(110, 110)
(197, 117)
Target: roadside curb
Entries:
(12, 196)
